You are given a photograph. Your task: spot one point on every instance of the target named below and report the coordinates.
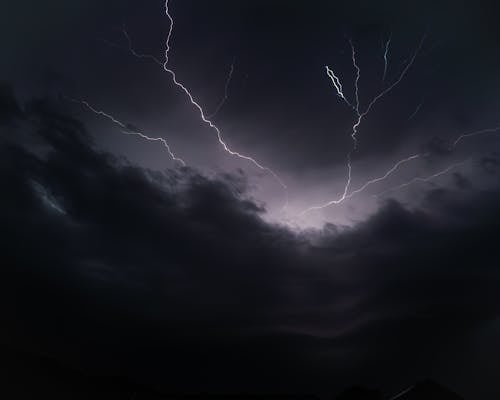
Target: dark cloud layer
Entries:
(174, 279)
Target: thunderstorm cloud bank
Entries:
(176, 279)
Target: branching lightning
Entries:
(360, 116)
(226, 92)
(363, 187)
(355, 105)
(125, 129)
(449, 168)
(422, 179)
(446, 170)
(205, 119)
(398, 81)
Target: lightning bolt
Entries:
(125, 129)
(364, 186)
(422, 179)
(226, 92)
(449, 168)
(337, 84)
(360, 116)
(433, 176)
(397, 81)
(414, 113)
(386, 52)
(475, 133)
(205, 119)
(358, 76)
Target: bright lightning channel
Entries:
(360, 116)
(438, 174)
(202, 112)
(363, 187)
(337, 84)
(127, 131)
(206, 119)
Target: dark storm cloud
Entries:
(490, 163)
(437, 147)
(171, 274)
(461, 181)
(9, 108)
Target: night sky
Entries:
(231, 272)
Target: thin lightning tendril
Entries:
(414, 113)
(202, 113)
(386, 53)
(422, 179)
(397, 82)
(446, 170)
(125, 129)
(480, 132)
(338, 85)
(156, 139)
(364, 186)
(360, 116)
(226, 92)
(449, 168)
(356, 81)
(339, 89)
(205, 119)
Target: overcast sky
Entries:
(117, 257)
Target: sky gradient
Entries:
(119, 259)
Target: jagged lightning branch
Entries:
(414, 113)
(385, 176)
(475, 133)
(363, 187)
(413, 180)
(125, 129)
(422, 179)
(360, 116)
(356, 81)
(386, 53)
(226, 92)
(395, 83)
(337, 84)
(376, 99)
(448, 169)
(203, 117)
(206, 119)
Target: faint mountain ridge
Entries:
(426, 390)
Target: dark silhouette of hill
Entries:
(28, 376)
(359, 392)
(427, 390)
